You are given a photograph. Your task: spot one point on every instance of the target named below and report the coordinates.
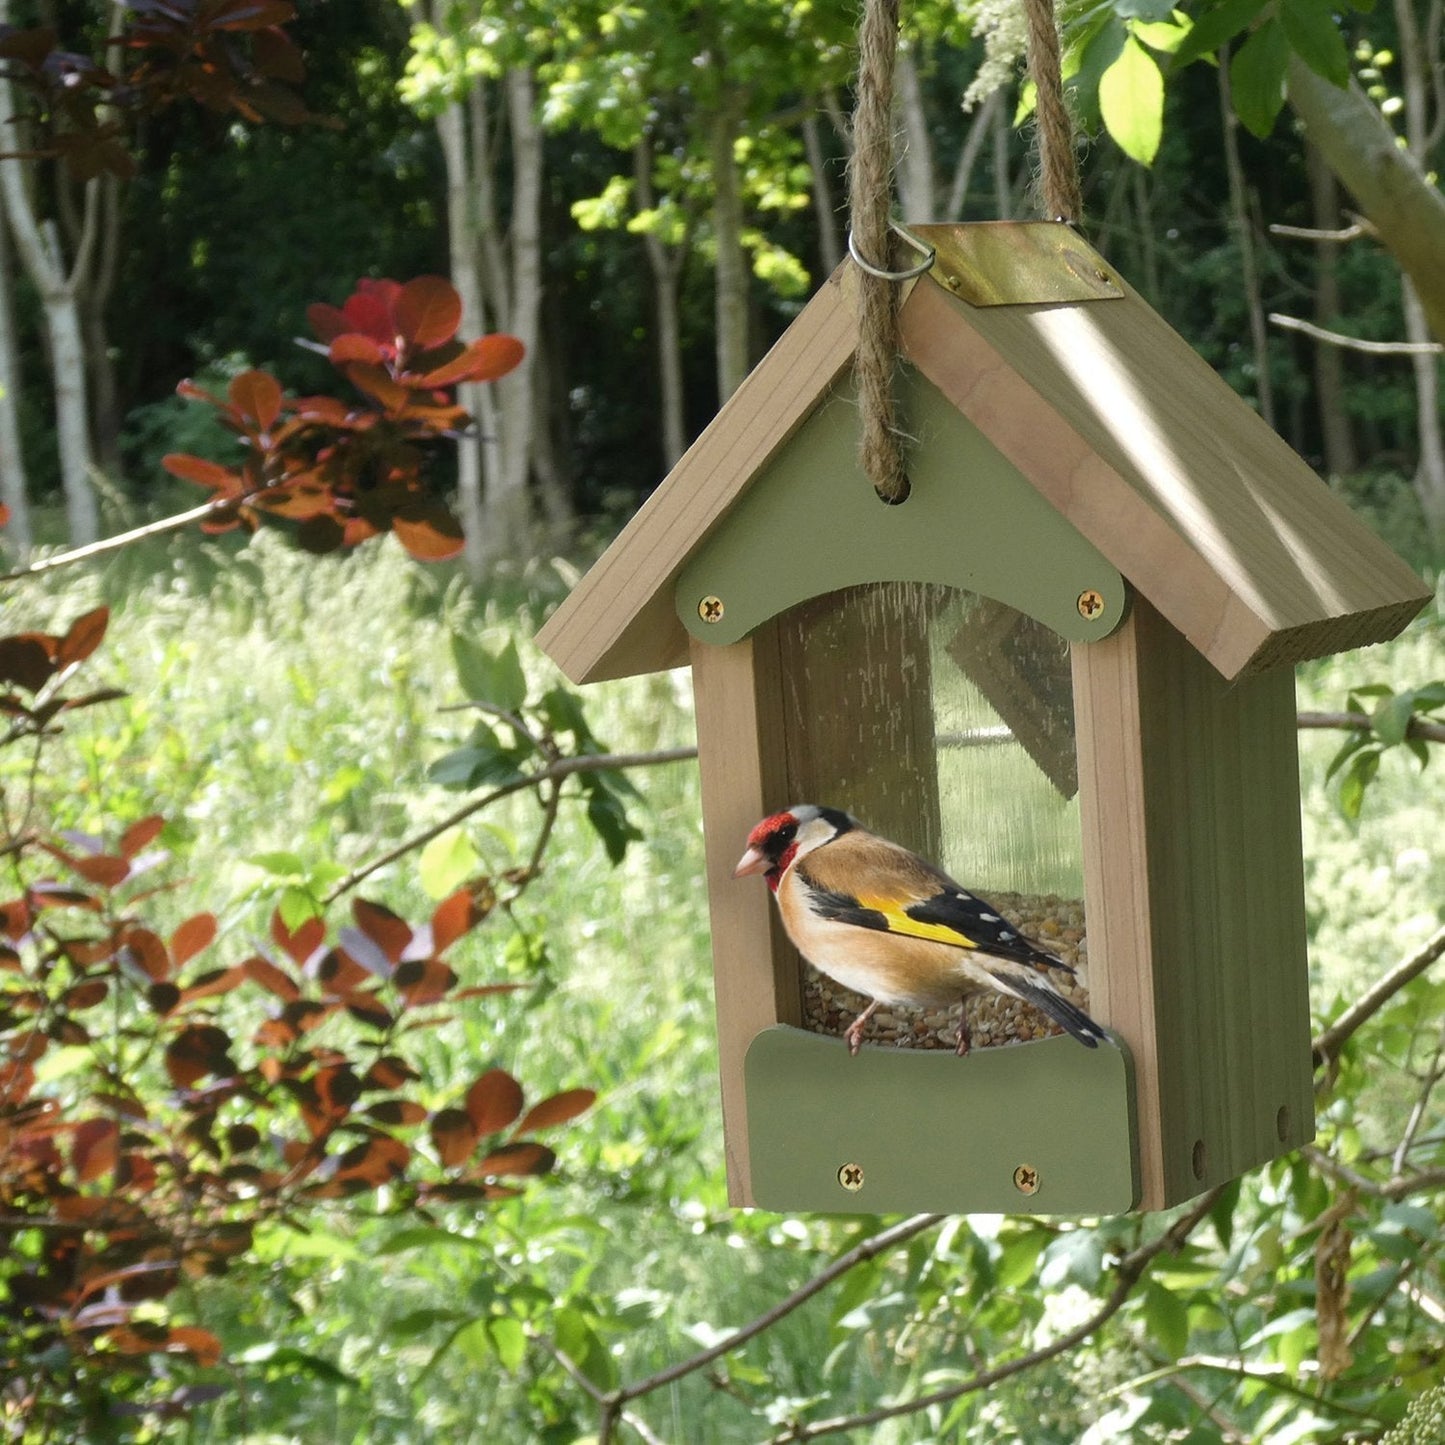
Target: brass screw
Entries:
(1090, 604)
(850, 1176)
(710, 609)
(1104, 276)
(1026, 1179)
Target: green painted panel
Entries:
(812, 524)
(934, 1132)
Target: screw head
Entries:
(1090, 604)
(850, 1176)
(710, 609)
(1026, 1179)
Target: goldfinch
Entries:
(883, 922)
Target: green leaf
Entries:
(1020, 1257)
(1391, 720)
(486, 676)
(1256, 78)
(1167, 1317)
(1131, 100)
(578, 1340)
(1214, 27)
(420, 1322)
(509, 1340)
(1073, 1258)
(1144, 9)
(446, 863)
(1310, 28)
(608, 816)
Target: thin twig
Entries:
(121, 539)
(1327, 1045)
(562, 768)
(612, 1408)
(1432, 1077)
(1397, 1187)
(1129, 1270)
(1418, 727)
(874, 1245)
(1310, 233)
(1355, 343)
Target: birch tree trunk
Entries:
(506, 510)
(830, 247)
(1430, 469)
(14, 488)
(731, 273)
(915, 163)
(38, 245)
(665, 263)
(466, 277)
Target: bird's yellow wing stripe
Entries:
(900, 922)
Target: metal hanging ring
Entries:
(928, 253)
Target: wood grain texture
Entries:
(1195, 902)
(620, 619)
(1187, 491)
(739, 703)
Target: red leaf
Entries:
(84, 636)
(15, 919)
(86, 995)
(256, 394)
(454, 1135)
(328, 322)
(396, 1111)
(198, 1050)
(389, 1072)
(4, 515)
(251, 14)
(557, 1110)
(377, 1160)
(95, 1148)
(391, 933)
(202, 472)
(368, 310)
(260, 970)
(494, 1101)
(484, 360)
(201, 1345)
(191, 937)
(101, 869)
(423, 982)
(303, 942)
(27, 660)
(376, 382)
(427, 311)
(352, 346)
(216, 981)
(430, 535)
(139, 834)
(454, 917)
(517, 1159)
(149, 952)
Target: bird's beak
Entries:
(753, 861)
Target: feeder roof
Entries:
(1100, 404)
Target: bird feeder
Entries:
(1062, 669)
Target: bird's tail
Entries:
(1068, 1015)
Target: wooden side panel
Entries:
(620, 619)
(1190, 799)
(738, 693)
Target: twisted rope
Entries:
(1058, 168)
(870, 195)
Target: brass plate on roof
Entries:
(1016, 263)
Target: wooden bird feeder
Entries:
(1062, 669)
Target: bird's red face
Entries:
(771, 847)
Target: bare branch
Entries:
(1328, 1044)
(562, 768)
(1419, 727)
(1310, 233)
(1355, 343)
(1128, 1270)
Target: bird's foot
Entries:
(854, 1035)
(965, 1040)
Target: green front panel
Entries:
(925, 1130)
(811, 524)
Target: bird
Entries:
(882, 921)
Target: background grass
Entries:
(284, 704)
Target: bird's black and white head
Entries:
(777, 841)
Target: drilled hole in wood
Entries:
(1200, 1162)
(1281, 1123)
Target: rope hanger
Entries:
(870, 204)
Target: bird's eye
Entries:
(787, 832)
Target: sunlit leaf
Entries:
(445, 862)
(390, 932)
(427, 311)
(516, 1159)
(1131, 100)
(454, 1136)
(494, 1101)
(94, 1148)
(198, 1050)
(429, 532)
(194, 935)
(256, 395)
(557, 1110)
(138, 835)
(459, 914)
(84, 635)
